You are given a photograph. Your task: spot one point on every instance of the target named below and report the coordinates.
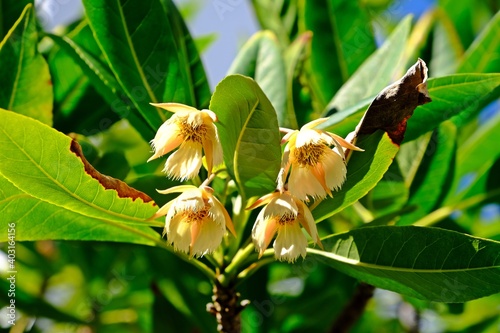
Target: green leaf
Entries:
(27, 87)
(260, 58)
(204, 42)
(446, 46)
(35, 306)
(10, 10)
(371, 77)
(150, 52)
(483, 55)
(345, 121)
(249, 133)
(433, 178)
(389, 195)
(277, 16)
(192, 71)
(342, 41)
(380, 134)
(364, 171)
(39, 220)
(427, 263)
(475, 158)
(107, 86)
(460, 94)
(42, 163)
(462, 17)
(78, 106)
(294, 59)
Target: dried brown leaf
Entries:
(109, 183)
(394, 105)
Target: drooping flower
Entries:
(195, 221)
(316, 168)
(191, 130)
(283, 215)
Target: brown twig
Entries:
(226, 309)
(354, 309)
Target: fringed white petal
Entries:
(263, 231)
(307, 221)
(307, 136)
(290, 243)
(185, 163)
(179, 233)
(191, 200)
(302, 184)
(209, 237)
(167, 138)
(335, 170)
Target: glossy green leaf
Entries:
(462, 17)
(78, 105)
(370, 78)
(10, 10)
(249, 133)
(344, 122)
(204, 42)
(279, 17)
(389, 195)
(26, 87)
(433, 178)
(261, 59)
(69, 82)
(483, 55)
(342, 40)
(294, 60)
(192, 70)
(446, 47)
(39, 220)
(379, 134)
(475, 158)
(35, 305)
(364, 171)
(427, 263)
(108, 87)
(460, 94)
(150, 53)
(38, 160)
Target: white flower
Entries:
(195, 221)
(283, 215)
(191, 130)
(316, 169)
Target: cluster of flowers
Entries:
(196, 221)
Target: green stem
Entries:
(155, 224)
(207, 181)
(254, 267)
(240, 220)
(231, 270)
(365, 214)
(195, 262)
(211, 259)
(444, 212)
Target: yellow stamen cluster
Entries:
(194, 133)
(310, 154)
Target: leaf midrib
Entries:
(25, 16)
(338, 44)
(481, 78)
(71, 194)
(133, 53)
(122, 226)
(238, 143)
(357, 263)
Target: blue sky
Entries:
(233, 21)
